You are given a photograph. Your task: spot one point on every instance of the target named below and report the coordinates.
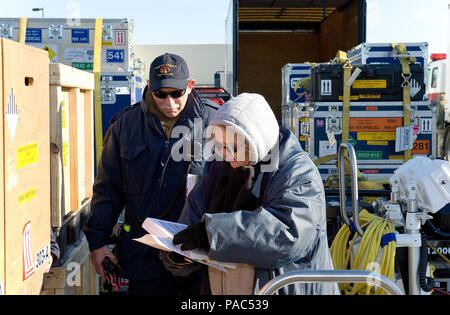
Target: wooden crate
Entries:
(2, 200)
(71, 137)
(76, 276)
(25, 179)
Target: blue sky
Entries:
(203, 21)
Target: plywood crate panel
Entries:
(2, 201)
(25, 204)
(76, 276)
(71, 106)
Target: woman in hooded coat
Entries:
(260, 204)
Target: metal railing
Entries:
(339, 276)
(354, 172)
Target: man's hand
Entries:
(97, 257)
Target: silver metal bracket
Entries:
(7, 31)
(108, 33)
(55, 31)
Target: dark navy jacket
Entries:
(137, 173)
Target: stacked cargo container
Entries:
(71, 42)
(376, 109)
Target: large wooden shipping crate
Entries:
(71, 136)
(25, 176)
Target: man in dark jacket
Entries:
(137, 172)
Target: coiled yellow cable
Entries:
(367, 254)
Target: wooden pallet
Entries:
(71, 137)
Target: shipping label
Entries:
(382, 143)
(378, 124)
(27, 256)
(369, 96)
(80, 36)
(63, 115)
(12, 114)
(27, 196)
(396, 157)
(65, 153)
(369, 155)
(27, 154)
(421, 147)
(352, 98)
(426, 125)
(33, 35)
(325, 87)
(326, 149)
(86, 66)
(376, 136)
(120, 38)
(369, 84)
(115, 55)
(79, 54)
(42, 256)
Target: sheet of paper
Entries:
(160, 236)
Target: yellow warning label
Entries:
(107, 43)
(63, 115)
(384, 143)
(370, 96)
(304, 119)
(369, 84)
(302, 138)
(65, 153)
(396, 157)
(27, 154)
(376, 136)
(51, 53)
(26, 196)
(352, 97)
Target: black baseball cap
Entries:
(170, 71)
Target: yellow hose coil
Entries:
(367, 254)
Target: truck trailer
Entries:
(264, 35)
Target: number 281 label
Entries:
(421, 147)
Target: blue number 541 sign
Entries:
(115, 55)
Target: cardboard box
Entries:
(76, 276)
(25, 196)
(71, 136)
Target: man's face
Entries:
(172, 106)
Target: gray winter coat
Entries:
(287, 232)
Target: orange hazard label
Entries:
(421, 147)
(378, 124)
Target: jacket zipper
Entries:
(166, 145)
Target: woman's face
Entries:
(231, 146)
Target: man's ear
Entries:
(191, 84)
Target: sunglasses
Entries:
(173, 94)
